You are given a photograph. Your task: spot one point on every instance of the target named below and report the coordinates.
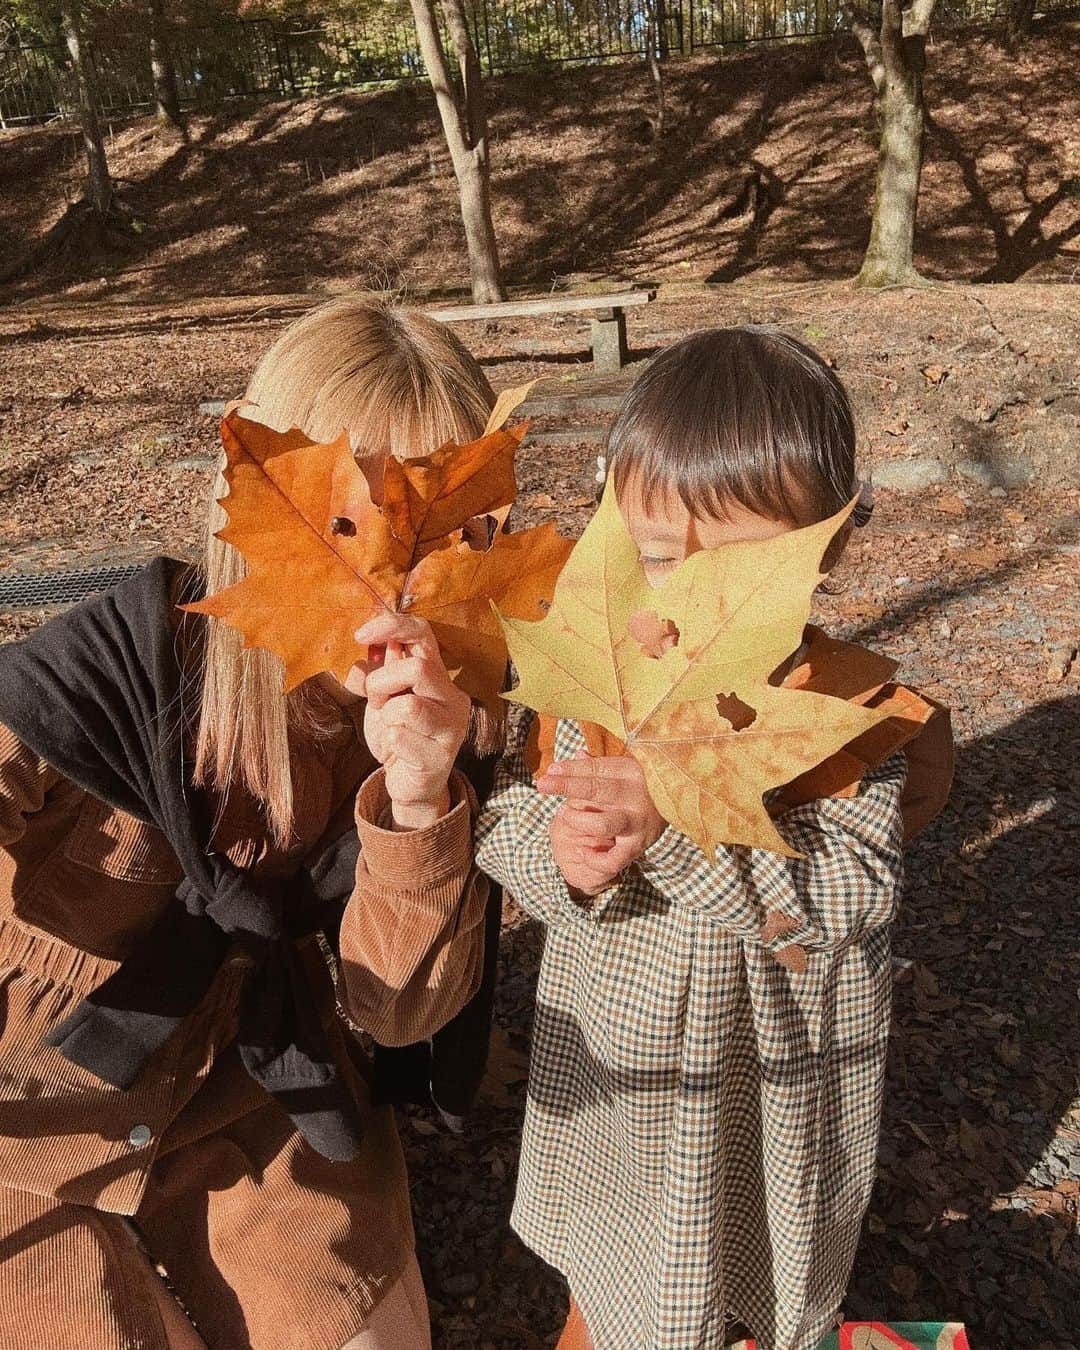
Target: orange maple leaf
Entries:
(326, 549)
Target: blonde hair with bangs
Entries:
(400, 383)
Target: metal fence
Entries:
(246, 58)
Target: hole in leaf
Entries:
(343, 525)
(738, 713)
(479, 532)
(654, 635)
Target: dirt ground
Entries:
(768, 169)
(971, 585)
(970, 580)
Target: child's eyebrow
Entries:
(663, 540)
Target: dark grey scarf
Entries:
(97, 693)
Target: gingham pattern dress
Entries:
(702, 1122)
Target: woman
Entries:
(179, 1096)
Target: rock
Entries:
(213, 407)
(1068, 405)
(910, 475)
(998, 471)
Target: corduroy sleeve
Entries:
(848, 878)
(412, 939)
(24, 781)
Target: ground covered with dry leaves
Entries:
(767, 168)
(970, 580)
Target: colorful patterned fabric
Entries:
(702, 1123)
(889, 1336)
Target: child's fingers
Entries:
(593, 823)
(579, 848)
(601, 779)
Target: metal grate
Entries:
(33, 590)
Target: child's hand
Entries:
(607, 821)
(415, 719)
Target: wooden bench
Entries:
(610, 352)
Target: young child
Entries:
(177, 1087)
(701, 1125)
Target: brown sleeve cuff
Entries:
(415, 858)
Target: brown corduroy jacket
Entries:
(80, 881)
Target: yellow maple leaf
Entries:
(685, 673)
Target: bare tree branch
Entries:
(917, 16)
(442, 84)
(471, 78)
(870, 43)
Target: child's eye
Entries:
(655, 562)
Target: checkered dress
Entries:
(702, 1123)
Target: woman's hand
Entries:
(607, 821)
(415, 720)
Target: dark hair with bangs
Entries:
(746, 414)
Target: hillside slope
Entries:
(768, 169)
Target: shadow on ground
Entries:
(768, 166)
(979, 1079)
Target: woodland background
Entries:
(157, 229)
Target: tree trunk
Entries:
(464, 121)
(163, 71)
(98, 183)
(896, 65)
(1018, 23)
(655, 47)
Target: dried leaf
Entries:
(1008, 1051)
(327, 549)
(739, 611)
(971, 1141)
(905, 1281)
(507, 1069)
(792, 958)
(508, 401)
(654, 635)
(777, 925)
(934, 375)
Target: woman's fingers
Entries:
(413, 674)
(417, 714)
(417, 750)
(412, 632)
